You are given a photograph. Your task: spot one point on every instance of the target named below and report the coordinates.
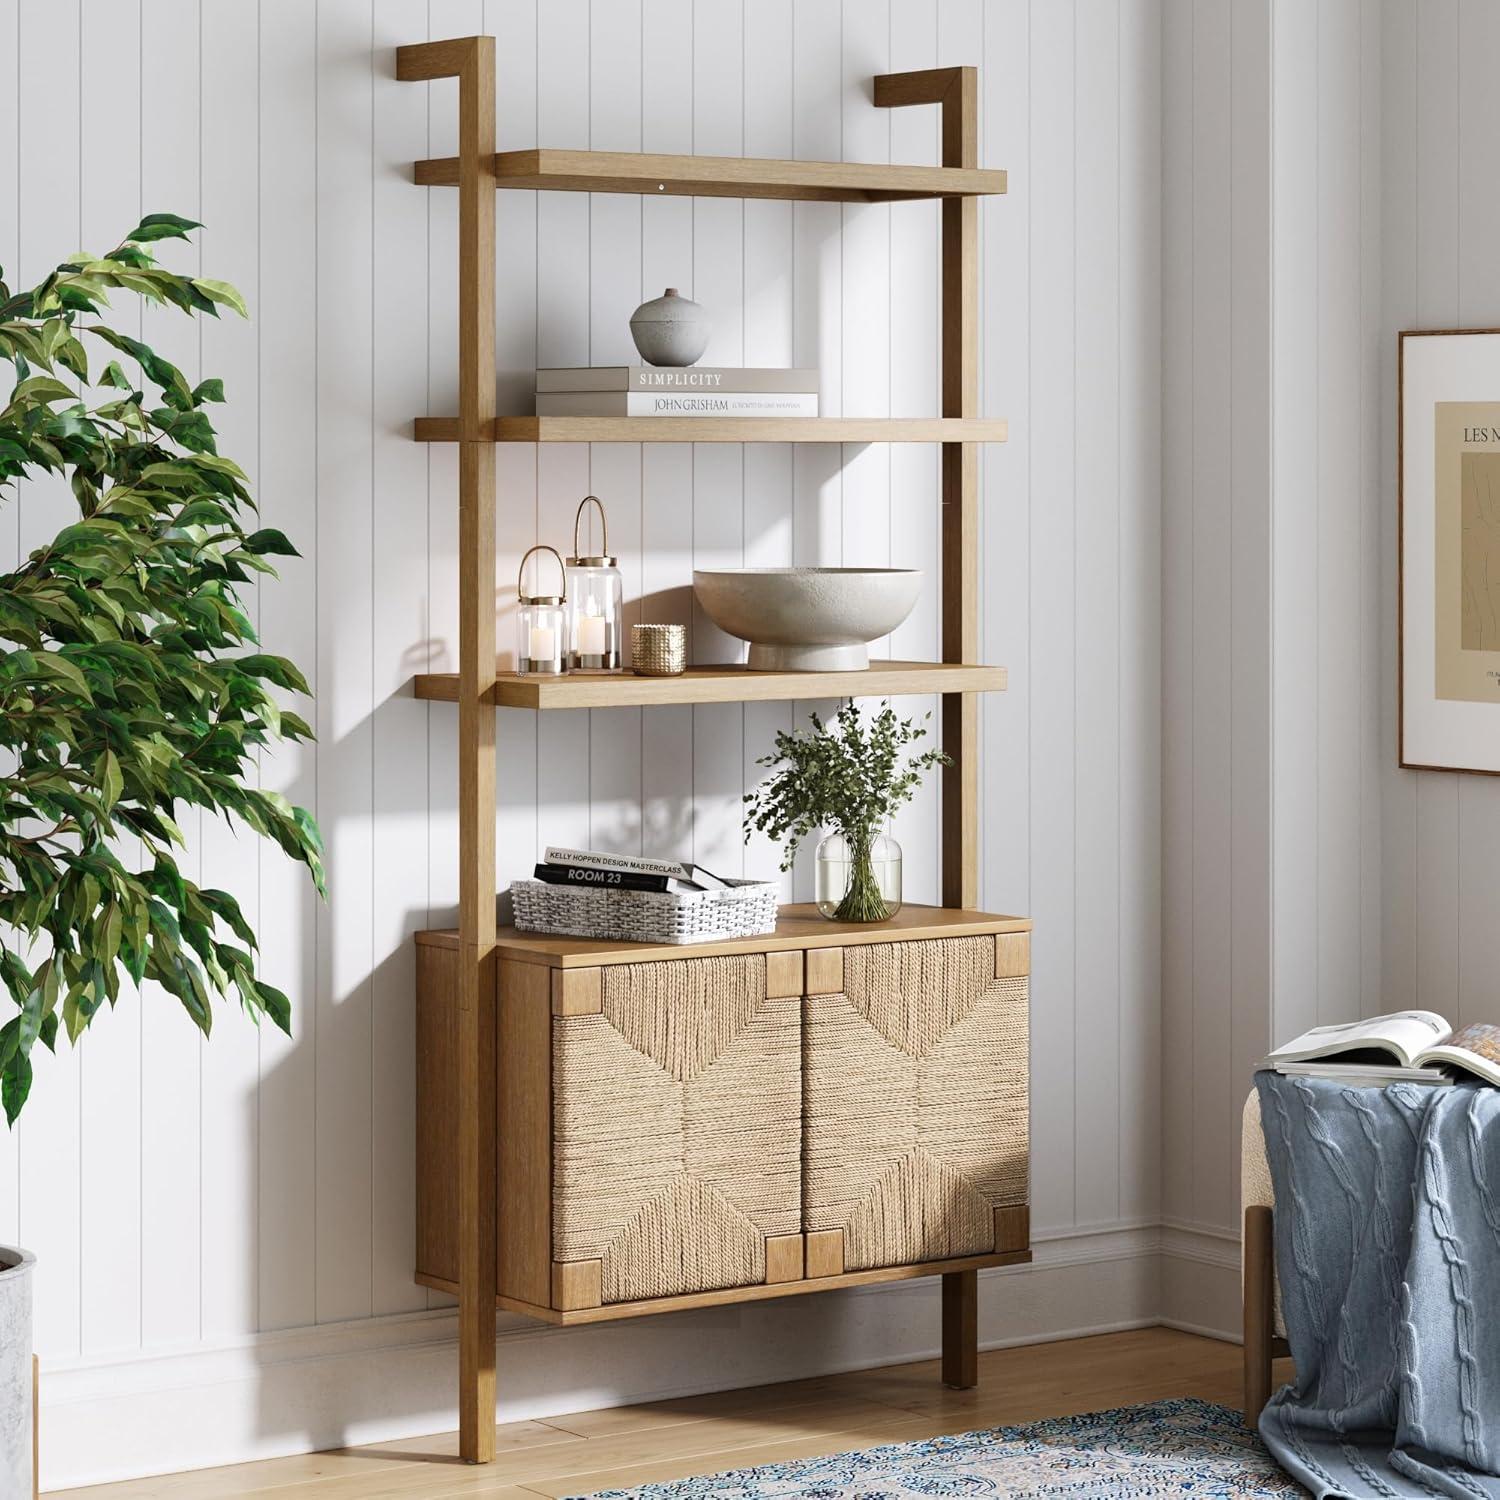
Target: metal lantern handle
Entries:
(562, 573)
(603, 526)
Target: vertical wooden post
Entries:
(957, 91)
(472, 61)
(960, 352)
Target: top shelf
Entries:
(720, 177)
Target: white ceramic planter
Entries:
(15, 1372)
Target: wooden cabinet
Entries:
(802, 1111)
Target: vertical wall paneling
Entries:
(1340, 502)
(345, 662)
(399, 630)
(49, 228)
(1399, 235)
(914, 530)
(667, 470)
(1375, 674)
(1439, 203)
(110, 1060)
(718, 471)
(517, 834)
(1178, 391)
(171, 1072)
(285, 311)
(1248, 566)
(768, 33)
(1053, 646)
(1271, 820)
(1213, 77)
(10, 247)
(1478, 219)
(1096, 679)
(615, 118)
(451, 18)
(230, 243)
(1139, 645)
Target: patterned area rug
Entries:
(1179, 1448)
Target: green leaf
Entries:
(15, 1085)
(222, 292)
(162, 227)
(111, 783)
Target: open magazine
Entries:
(1416, 1046)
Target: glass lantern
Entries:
(542, 645)
(596, 594)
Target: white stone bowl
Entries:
(807, 619)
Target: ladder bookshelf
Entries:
(478, 689)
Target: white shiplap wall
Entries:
(210, 1217)
(1272, 774)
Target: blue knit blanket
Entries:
(1388, 1252)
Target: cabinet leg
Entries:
(961, 1329)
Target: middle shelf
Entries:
(720, 684)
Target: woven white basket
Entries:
(746, 909)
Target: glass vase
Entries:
(859, 880)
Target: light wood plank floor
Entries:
(631, 1445)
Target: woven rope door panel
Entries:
(677, 1133)
(915, 1081)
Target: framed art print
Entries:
(1448, 479)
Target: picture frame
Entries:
(1448, 550)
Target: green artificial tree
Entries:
(130, 685)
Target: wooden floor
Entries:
(631, 1445)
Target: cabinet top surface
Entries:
(799, 926)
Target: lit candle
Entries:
(591, 635)
(542, 643)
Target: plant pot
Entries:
(859, 882)
(15, 1371)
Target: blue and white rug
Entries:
(1180, 1448)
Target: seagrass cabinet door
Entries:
(676, 1128)
(915, 1079)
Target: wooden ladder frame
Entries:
(471, 60)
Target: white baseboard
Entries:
(392, 1377)
(1202, 1292)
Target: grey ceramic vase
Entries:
(670, 330)
(15, 1371)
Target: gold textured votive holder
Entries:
(658, 650)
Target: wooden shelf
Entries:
(720, 177)
(723, 430)
(725, 684)
(799, 926)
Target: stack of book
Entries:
(1408, 1046)
(691, 391)
(590, 868)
